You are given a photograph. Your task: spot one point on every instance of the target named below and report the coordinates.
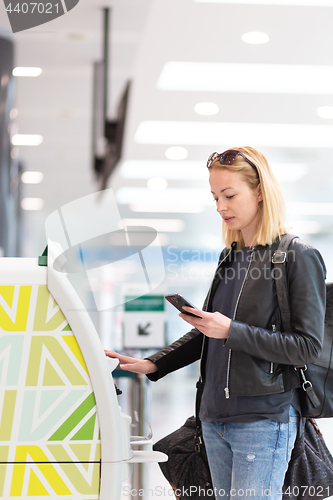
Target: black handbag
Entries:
(187, 468)
(310, 472)
(316, 378)
(309, 475)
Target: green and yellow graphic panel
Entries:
(49, 430)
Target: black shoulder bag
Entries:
(316, 378)
(310, 470)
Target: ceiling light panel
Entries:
(32, 203)
(197, 171)
(32, 177)
(157, 184)
(261, 78)
(161, 225)
(212, 133)
(26, 71)
(180, 196)
(181, 170)
(255, 37)
(27, 140)
(188, 208)
(301, 3)
(176, 153)
(325, 112)
(206, 108)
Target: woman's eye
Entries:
(215, 199)
(229, 197)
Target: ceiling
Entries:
(145, 35)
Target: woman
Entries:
(249, 408)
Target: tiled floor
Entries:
(172, 402)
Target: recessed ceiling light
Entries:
(145, 169)
(303, 3)
(32, 177)
(27, 140)
(212, 133)
(325, 112)
(229, 77)
(32, 203)
(187, 208)
(25, 71)
(206, 108)
(157, 184)
(161, 225)
(255, 37)
(176, 153)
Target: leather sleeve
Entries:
(180, 353)
(307, 291)
(183, 351)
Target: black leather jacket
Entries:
(261, 356)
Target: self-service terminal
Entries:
(62, 433)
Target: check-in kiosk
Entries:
(62, 433)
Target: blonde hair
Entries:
(272, 214)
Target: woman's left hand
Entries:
(214, 325)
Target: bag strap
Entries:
(199, 386)
(280, 274)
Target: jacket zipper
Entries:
(210, 291)
(226, 389)
(272, 364)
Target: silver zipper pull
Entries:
(272, 368)
(226, 390)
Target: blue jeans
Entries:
(249, 460)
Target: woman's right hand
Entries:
(134, 365)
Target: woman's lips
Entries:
(227, 219)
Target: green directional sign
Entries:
(144, 322)
(145, 303)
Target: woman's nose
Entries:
(220, 206)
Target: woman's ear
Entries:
(259, 192)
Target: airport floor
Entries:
(172, 402)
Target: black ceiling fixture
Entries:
(107, 134)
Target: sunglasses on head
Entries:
(228, 158)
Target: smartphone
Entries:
(178, 301)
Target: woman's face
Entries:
(236, 202)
